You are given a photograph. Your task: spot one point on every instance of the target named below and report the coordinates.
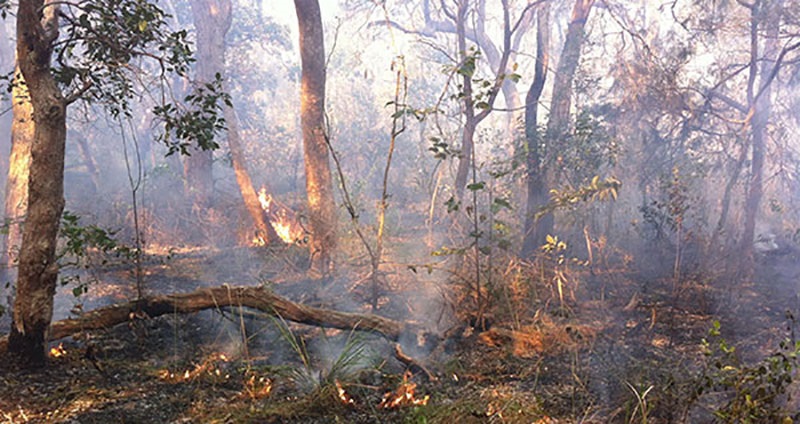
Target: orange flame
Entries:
(282, 225)
(403, 396)
(208, 366)
(58, 351)
(343, 396)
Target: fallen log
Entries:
(258, 298)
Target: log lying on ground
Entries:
(216, 297)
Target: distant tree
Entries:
(536, 228)
(212, 20)
(319, 184)
(93, 63)
(558, 126)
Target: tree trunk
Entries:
(215, 17)
(536, 227)
(767, 13)
(16, 201)
(38, 269)
(319, 184)
(472, 119)
(212, 21)
(558, 124)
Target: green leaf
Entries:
(476, 186)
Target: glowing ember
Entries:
(58, 351)
(343, 396)
(403, 396)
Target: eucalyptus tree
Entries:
(93, 51)
(212, 20)
(319, 182)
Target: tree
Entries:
(37, 29)
(536, 228)
(16, 201)
(212, 20)
(104, 36)
(319, 184)
(558, 126)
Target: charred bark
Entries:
(219, 297)
(38, 270)
(319, 183)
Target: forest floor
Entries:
(627, 345)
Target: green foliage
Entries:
(752, 392)
(196, 120)
(107, 48)
(79, 241)
(595, 190)
(587, 151)
(669, 210)
(103, 37)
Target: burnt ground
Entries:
(624, 337)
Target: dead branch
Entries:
(258, 298)
(411, 363)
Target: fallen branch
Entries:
(258, 298)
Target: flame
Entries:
(403, 396)
(283, 228)
(281, 223)
(264, 198)
(58, 351)
(256, 388)
(343, 396)
(208, 366)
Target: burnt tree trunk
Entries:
(536, 227)
(37, 28)
(212, 20)
(319, 184)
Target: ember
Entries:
(403, 396)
